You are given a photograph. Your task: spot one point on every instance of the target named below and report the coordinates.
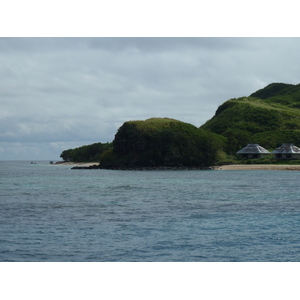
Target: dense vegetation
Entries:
(86, 153)
(270, 117)
(162, 142)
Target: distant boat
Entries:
(33, 163)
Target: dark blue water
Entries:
(53, 213)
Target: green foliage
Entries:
(163, 142)
(244, 116)
(236, 139)
(85, 153)
(271, 90)
(268, 160)
(225, 159)
(275, 138)
(66, 155)
(260, 161)
(225, 105)
(269, 117)
(284, 95)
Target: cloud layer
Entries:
(60, 93)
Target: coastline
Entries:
(96, 165)
(237, 167)
(243, 167)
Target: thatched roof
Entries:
(287, 148)
(253, 149)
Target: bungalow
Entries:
(287, 151)
(253, 151)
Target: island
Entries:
(269, 117)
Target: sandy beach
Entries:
(259, 167)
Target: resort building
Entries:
(253, 151)
(287, 151)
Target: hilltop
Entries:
(269, 117)
(160, 142)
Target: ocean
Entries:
(50, 213)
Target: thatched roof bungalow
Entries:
(287, 151)
(253, 151)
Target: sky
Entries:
(61, 93)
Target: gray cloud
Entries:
(57, 93)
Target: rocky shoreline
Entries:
(237, 167)
(162, 168)
(92, 167)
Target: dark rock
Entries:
(93, 167)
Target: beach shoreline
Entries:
(237, 167)
(244, 167)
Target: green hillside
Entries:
(270, 117)
(86, 153)
(162, 142)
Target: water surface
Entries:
(53, 213)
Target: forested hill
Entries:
(269, 116)
(86, 153)
(155, 142)
(159, 142)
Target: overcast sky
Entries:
(61, 93)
